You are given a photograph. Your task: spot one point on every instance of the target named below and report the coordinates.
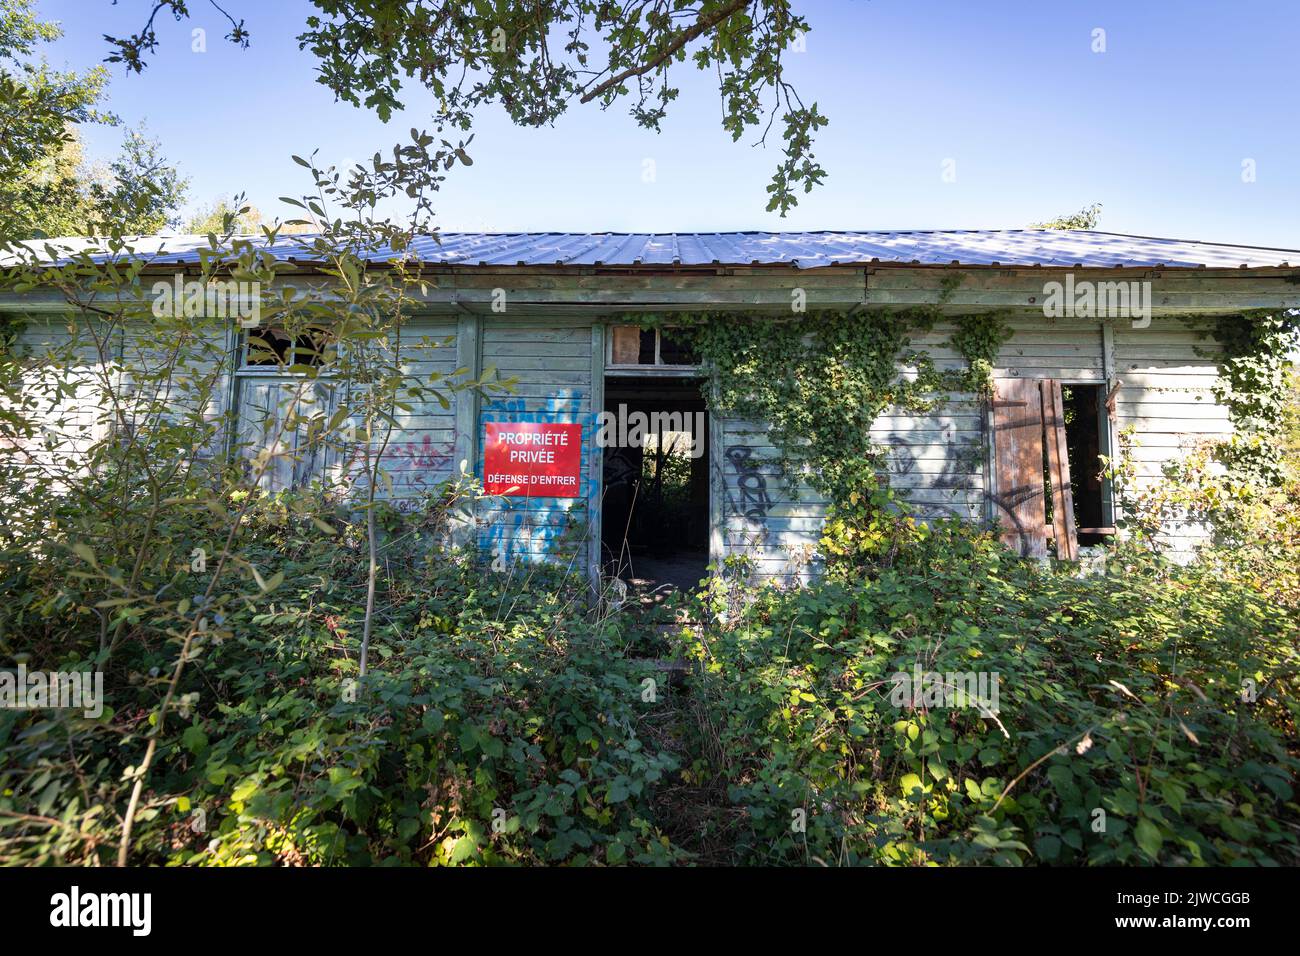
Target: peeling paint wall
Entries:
(420, 454)
(553, 365)
(937, 460)
(1166, 374)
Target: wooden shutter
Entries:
(1029, 449)
(1018, 495)
(274, 414)
(1058, 470)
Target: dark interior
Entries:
(276, 347)
(1083, 417)
(655, 514)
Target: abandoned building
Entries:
(1106, 335)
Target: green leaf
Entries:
(1047, 848)
(463, 850)
(194, 739)
(1174, 795)
(618, 790)
(1148, 838)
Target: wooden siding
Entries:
(936, 459)
(555, 365)
(71, 420)
(773, 522)
(1166, 374)
(418, 454)
(107, 370)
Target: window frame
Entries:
(658, 368)
(243, 369)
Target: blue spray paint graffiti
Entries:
(534, 529)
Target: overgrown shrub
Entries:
(501, 722)
(1145, 715)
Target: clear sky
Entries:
(1038, 125)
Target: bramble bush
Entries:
(1147, 714)
(501, 722)
(1147, 711)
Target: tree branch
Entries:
(702, 25)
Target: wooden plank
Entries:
(541, 361)
(512, 348)
(1138, 395)
(627, 344)
(1190, 425)
(1019, 504)
(717, 483)
(1058, 467)
(1157, 408)
(468, 356)
(556, 330)
(596, 459)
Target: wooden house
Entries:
(559, 314)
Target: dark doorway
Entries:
(1085, 417)
(655, 512)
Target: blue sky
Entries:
(1156, 128)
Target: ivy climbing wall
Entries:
(936, 459)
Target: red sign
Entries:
(533, 459)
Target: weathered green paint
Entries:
(552, 338)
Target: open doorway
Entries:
(1085, 438)
(655, 513)
(1048, 437)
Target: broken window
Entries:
(633, 345)
(1047, 478)
(276, 348)
(282, 410)
(675, 351)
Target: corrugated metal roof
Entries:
(804, 250)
